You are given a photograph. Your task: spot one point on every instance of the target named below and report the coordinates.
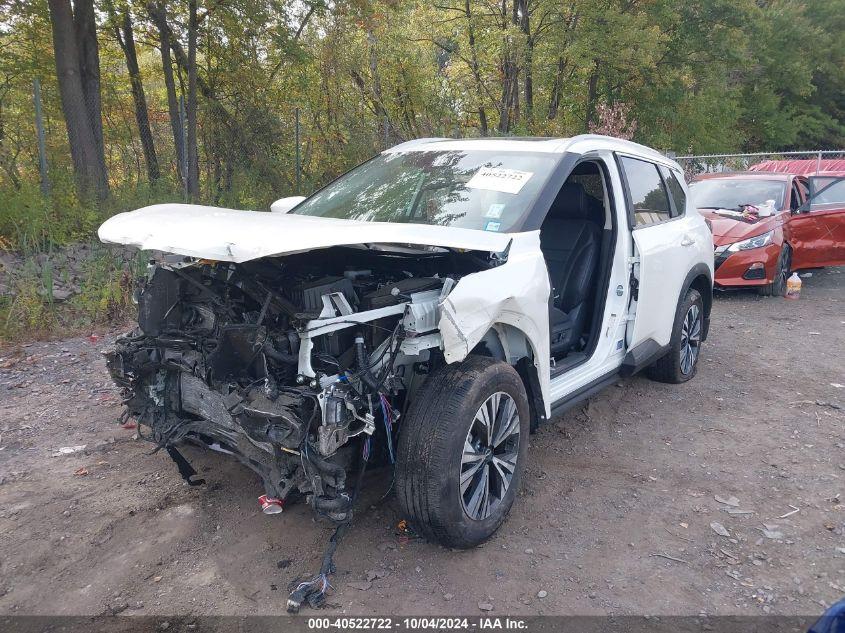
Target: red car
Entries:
(779, 217)
(749, 215)
(816, 234)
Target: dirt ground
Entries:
(618, 513)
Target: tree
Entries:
(158, 14)
(193, 176)
(77, 70)
(126, 39)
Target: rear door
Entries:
(668, 242)
(817, 231)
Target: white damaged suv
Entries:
(427, 310)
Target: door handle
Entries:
(687, 241)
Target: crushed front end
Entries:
(298, 366)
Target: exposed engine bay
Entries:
(300, 366)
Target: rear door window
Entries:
(676, 190)
(647, 194)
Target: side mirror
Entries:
(283, 205)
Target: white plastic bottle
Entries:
(793, 286)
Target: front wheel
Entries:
(681, 361)
(461, 451)
(778, 286)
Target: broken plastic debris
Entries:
(68, 450)
(719, 529)
(770, 530)
(270, 505)
(732, 510)
(728, 501)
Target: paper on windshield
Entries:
(499, 179)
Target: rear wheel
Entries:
(778, 286)
(461, 450)
(681, 361)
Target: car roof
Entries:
(581, 144)
(744, 175)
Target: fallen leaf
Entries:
(81, 472)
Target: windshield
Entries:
(737, 193)
(827, 190)
(487, 190)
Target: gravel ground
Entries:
(720, 496)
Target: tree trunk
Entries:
(510, 91)
(159, 17)
(557, 87)
(191, 107)
(89, 64)
(86, 151)
(8, 158)
(525, 26)
(476, 72)
(592, 95)
(384, 126)
(127, 43)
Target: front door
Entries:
(817, 232)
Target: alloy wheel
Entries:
(690, 339)
(491, 451)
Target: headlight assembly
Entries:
(752, 242)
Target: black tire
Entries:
(431, 450)
(778, 286)
(670, 368)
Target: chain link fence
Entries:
(807, 162)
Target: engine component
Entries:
(158, 304)
(309, 295)
(397, 292)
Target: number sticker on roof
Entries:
(499, 179)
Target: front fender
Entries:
(515, 293)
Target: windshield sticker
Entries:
(492, 226)
(495, 211)
(499, 179)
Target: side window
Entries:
(795, 198)
(648, 195)
(676, 190)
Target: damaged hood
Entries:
(729, 229)
(238, 236)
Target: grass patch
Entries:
(61, 293)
